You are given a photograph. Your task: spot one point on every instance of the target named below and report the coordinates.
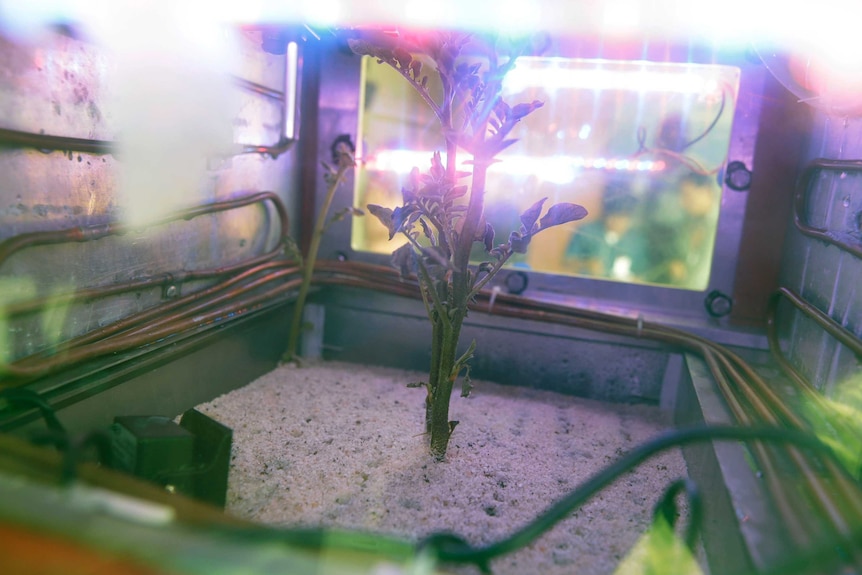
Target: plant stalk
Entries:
(441, 389)
(344, 163)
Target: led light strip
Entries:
(555, 169)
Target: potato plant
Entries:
(442, 212)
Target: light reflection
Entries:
(584, 132)
(556, 169)
(555, 74)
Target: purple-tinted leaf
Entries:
(501, 109)
(415, 69)
(505, 144)
(405, 260)
(399, 216)
(488, 237)
(562, 213)
(495, 147)
(456, 192)
(531, 214)
(435, 255)
(429, 233)
(403, 58)
(521, 110)
(437, 168)
(382, 214)
(519, 243)
(408, 196)
(415, 179)
(362, 47)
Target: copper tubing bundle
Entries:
(245, 292)
(84, 234)
(815, 497)
(125, 333)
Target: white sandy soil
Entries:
(336, 444)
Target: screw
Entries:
(718, 304)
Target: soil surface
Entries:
(342, 445)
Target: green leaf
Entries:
(462, 361)
(466, 384)
(340, 214)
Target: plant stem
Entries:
(441, 390)
(344, 164)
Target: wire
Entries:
(29, 397)
(641, 136)
(455, 550)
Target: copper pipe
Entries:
(84, 234)
(841, 240)
(139, 318)
(47, 359)
(270, 93)
(273, 151)
(161, 280)
(48, 143)
(824, 321)
(167, 326)
(170, 310)
(200, 305)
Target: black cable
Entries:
(709, 128)
(453, 549)
(19, 396)
(641, 134)
(57, 436)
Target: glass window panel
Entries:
(638, 144)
